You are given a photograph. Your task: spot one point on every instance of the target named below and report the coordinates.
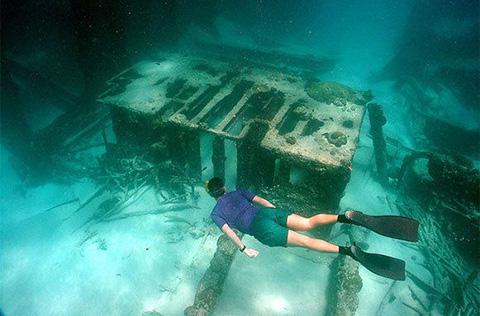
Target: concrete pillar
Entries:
(283, 175)
(176, 145)
(183, 147)
(218, 157)
(344, 285)
(254, 167)
(377, 120)
(192, 148)
(344, 282)
(243, 163)
(263, 169)
(210, 286)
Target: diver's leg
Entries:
(297, 222)
(298, 240)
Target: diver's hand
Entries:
(252, 253)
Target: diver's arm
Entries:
(230, 233)
(262, 201)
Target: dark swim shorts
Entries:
(270, 227)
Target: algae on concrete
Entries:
(336, 93)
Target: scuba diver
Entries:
(276, 227)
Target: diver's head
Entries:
(215, 187)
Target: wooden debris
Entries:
(417, 299)
(385, 300)
(413, 308)
(58, 205)
(90, 199)
(173, 208)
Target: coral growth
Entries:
(336, 138)
(291, 140)
(336, 93)
(303, 113)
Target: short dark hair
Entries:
(215, 187)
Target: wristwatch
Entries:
(241, 250)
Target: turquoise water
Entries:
(128, 232)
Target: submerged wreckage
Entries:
(305, 124)
(289, 138)
(281, 123)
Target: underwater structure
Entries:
(278, 119)
(293, 139)
(275, 118)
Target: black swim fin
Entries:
(398, 227)
(382, 265)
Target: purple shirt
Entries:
(235, 209)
